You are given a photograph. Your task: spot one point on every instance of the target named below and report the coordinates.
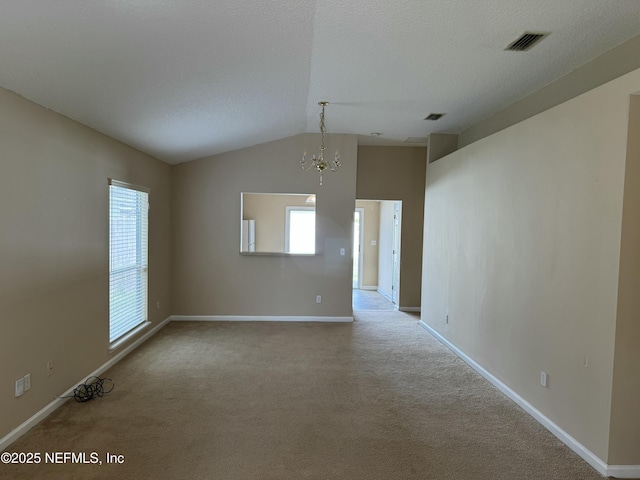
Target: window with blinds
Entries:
(128, 257)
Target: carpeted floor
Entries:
(376, 399)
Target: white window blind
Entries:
(128, 257)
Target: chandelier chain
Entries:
(323, 129)
(319, 162)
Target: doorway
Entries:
(377, 231)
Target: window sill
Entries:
(277, 254)
(128, 336)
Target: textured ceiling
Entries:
(183, 79)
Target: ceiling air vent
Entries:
(526, 41)
(416, 140)
(434, 116)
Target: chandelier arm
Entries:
(335, 164)
(305, 167)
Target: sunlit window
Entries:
(128, 258)
(300, 235)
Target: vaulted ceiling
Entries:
(183, 79)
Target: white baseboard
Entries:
(623, 471)
(368, 287)
(567, 439)
(251, 318)
(385, 295)
(24, 427)
(409, 309)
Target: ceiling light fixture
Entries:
(319, 163)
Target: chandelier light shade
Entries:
(318, 162)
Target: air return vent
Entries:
(434, 116)
(526, 41)
(416, 140)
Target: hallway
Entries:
(371, 300)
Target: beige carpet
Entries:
(376, 399)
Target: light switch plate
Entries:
(20, 387)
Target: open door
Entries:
(395, 282)
(389, 250)
(358, 239)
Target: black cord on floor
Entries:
(92, 388)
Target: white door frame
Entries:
(360, 210)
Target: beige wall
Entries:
(616, 62)
(371, 232)
(54, 252)
(522, 248)
(209, 275)
(269, 212)
(624, 443)
(398, 173)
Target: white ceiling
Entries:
(183, 79)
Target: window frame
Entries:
(139, 306)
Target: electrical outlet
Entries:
(20, 387)
(49, 368)
(343, 251)
(27, 382)
(318, 298)
(543, 378)
(158, 305)
(446, 318)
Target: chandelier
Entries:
(319, 163)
